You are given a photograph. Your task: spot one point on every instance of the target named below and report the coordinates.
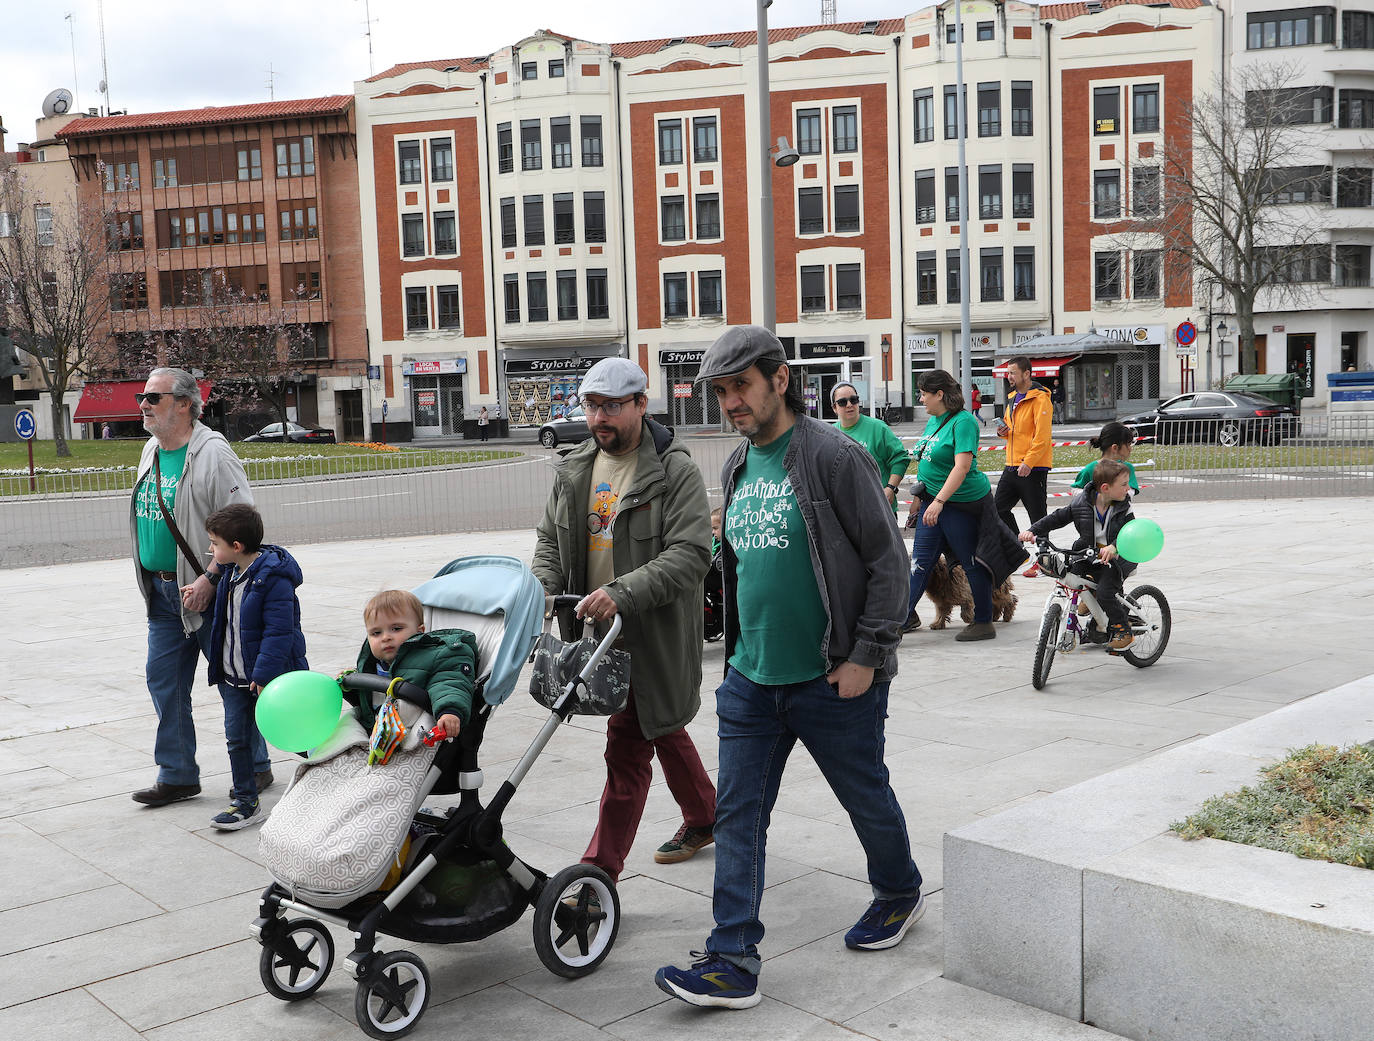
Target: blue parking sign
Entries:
(24, 424)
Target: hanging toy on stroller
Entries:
(351, 844)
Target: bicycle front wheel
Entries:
(1047, 644)
(1151, 623)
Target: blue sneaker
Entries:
(885, 923)
(711, 981)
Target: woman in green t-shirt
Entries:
(947, 513)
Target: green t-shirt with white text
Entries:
(157, 550)
(782, 619)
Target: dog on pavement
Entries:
(947, 588)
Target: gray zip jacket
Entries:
(212, 479)
(856, 550)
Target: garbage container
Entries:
(1282, 388)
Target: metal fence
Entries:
(85, 516)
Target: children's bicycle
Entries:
(1063, 627)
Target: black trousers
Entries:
(1029, 491)
(1109, 579)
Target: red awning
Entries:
(114, 401)
(1039, 366)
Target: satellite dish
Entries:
(58, 103)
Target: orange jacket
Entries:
(1029, 422)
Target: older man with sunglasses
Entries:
(875, 435)
(187, 472)
(628, 528)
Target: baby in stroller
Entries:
(349, 843)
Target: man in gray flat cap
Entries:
(815, 595)
(628, 528)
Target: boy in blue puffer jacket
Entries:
(256, 636)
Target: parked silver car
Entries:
(569, 429)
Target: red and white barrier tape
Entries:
(1053, 444)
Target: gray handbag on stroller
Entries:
(601, 681)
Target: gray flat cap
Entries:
(614, 378)
(737, 349)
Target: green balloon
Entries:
(1140, 540)
(298, 710)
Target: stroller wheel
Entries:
(576, 919)
(296, 959)
(393, 993)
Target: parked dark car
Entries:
(569, 429)
(299, 433)
(1229, 418)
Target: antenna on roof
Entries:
(827, 12)
(76, 83)
(271, 83)
(104, 66)
(367, 31)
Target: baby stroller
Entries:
(434, 876)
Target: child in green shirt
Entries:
(1115, 442)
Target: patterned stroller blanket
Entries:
(340, 827)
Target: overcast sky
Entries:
(165, 55)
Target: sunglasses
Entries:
(847, 401)
(153, 396)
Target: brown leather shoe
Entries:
(912, 623)
(161, 794)
(977, 631)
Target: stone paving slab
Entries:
(160, 950)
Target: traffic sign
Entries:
(24, 424)
(1185, 334)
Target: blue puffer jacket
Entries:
(269, 618)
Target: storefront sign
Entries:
(426, 408)
(986, 341)
(678, 357)
(540, 366)
(923, 343)
(438, 367)
(1134, 334)
(854, 349)
(1020, 336)
(682, 390)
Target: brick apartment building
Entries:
(262, 199)
(612, 207)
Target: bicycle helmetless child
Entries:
(1098, 513)
(256, 636)
(1115, 442)
(443, 662)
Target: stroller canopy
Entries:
(502, 590)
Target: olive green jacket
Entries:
(661, 549)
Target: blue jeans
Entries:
(244, 741)
(171, 670)
(959, 531)
(758, 728)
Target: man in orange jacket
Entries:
(1026, 426)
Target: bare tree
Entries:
(54, 288)
(1236, 186)
(252, 351)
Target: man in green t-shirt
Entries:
(875, 435)
(194, 472)
(815, 594)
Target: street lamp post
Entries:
(768, 274)
(965, 274)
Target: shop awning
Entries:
(1039, 366)
(114, 401)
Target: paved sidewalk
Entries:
(119, 922)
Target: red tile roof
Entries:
(267, 110)
(1058, 12)
(634, 49)
(461, 64)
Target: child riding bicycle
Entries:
(1098, 513)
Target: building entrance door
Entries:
(349, 404)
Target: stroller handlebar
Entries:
(405, 690)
